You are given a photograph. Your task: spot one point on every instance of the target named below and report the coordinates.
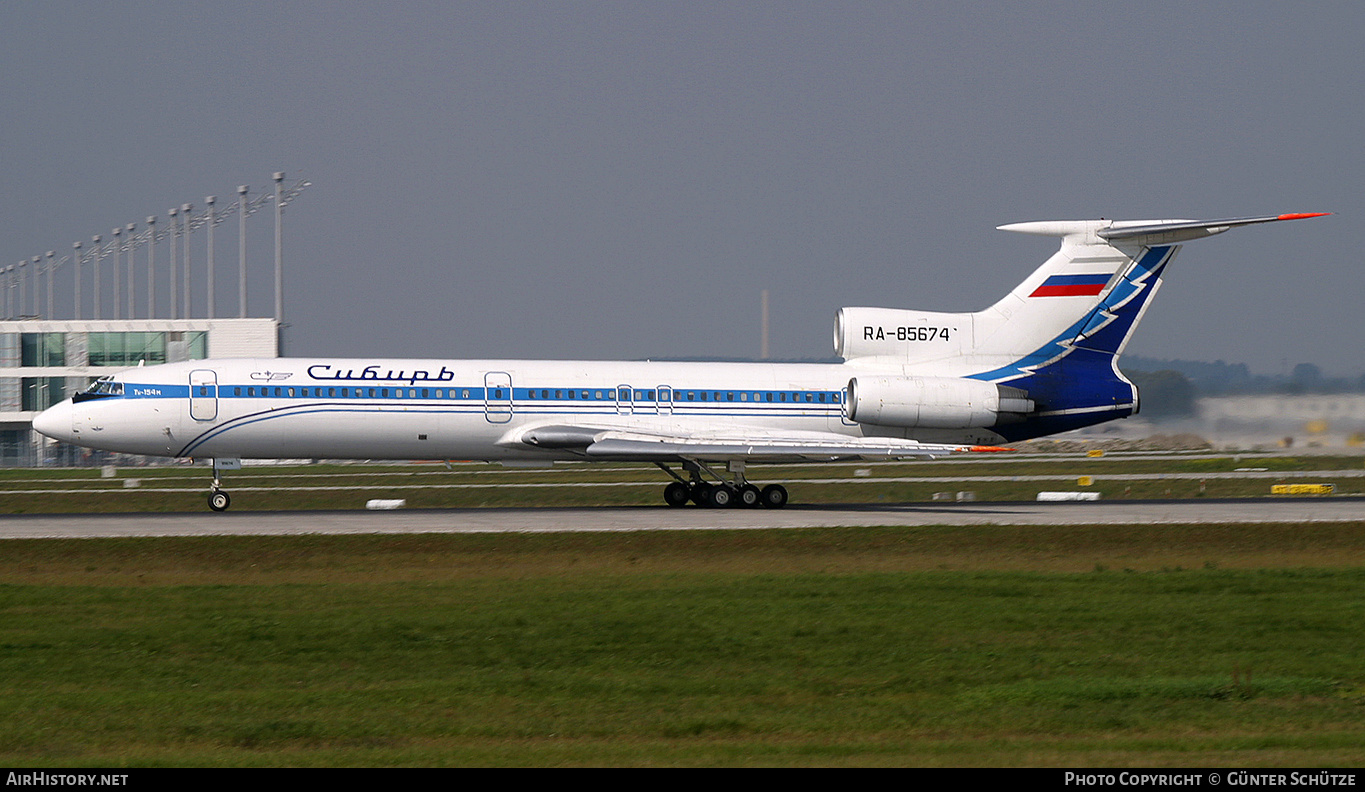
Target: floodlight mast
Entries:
(211, 222)
(36, 261)
(122, 244)
(151, 267)
(241, 251)
(132, 246)
(95, 296)
(51, 270)
(279, 262)
(76, 257)
(175, 264)
(118, 275)
(185, 210)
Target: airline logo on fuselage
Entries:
(379, 373)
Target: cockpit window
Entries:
(104, 386)
(99, 389)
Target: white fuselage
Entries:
(440, 409)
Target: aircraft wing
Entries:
(758, 445)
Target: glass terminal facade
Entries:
(44, 362)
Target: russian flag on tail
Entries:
(1072, 285)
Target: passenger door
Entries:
(203, 395)
(497, 396)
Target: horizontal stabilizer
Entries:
(1168, 232)
(1144, 232)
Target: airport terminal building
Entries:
(43, 362)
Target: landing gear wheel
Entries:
(722, 496)
(701, 494)
(773, 496)
(677, 494)
(219, 501)
(749, 496)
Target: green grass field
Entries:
(1075, 646)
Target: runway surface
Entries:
(1251, 510)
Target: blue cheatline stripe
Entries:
(520, 395)
(133, 390)
(346, 407)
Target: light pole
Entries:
(51, 266)
(151, 267)
(118, 274)
(132, 245)
(185, 210)
(210, 200)
(99, 254)
(76, 258)
(279, 260)
(175, 267)
(241, 251)
(23, 287)
(37, 286)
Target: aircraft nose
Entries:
(55, 421)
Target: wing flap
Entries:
(597, 442)
(773, 449)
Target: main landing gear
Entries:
(724, 493)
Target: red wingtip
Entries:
(1302, 215)
(989, 449)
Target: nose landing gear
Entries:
(218, 499)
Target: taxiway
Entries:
(489, 520)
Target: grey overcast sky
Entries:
(621, 180)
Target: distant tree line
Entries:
(1169, 387)
(1164, 394)
(1235, 379)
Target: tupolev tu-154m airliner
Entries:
(1044, 359)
